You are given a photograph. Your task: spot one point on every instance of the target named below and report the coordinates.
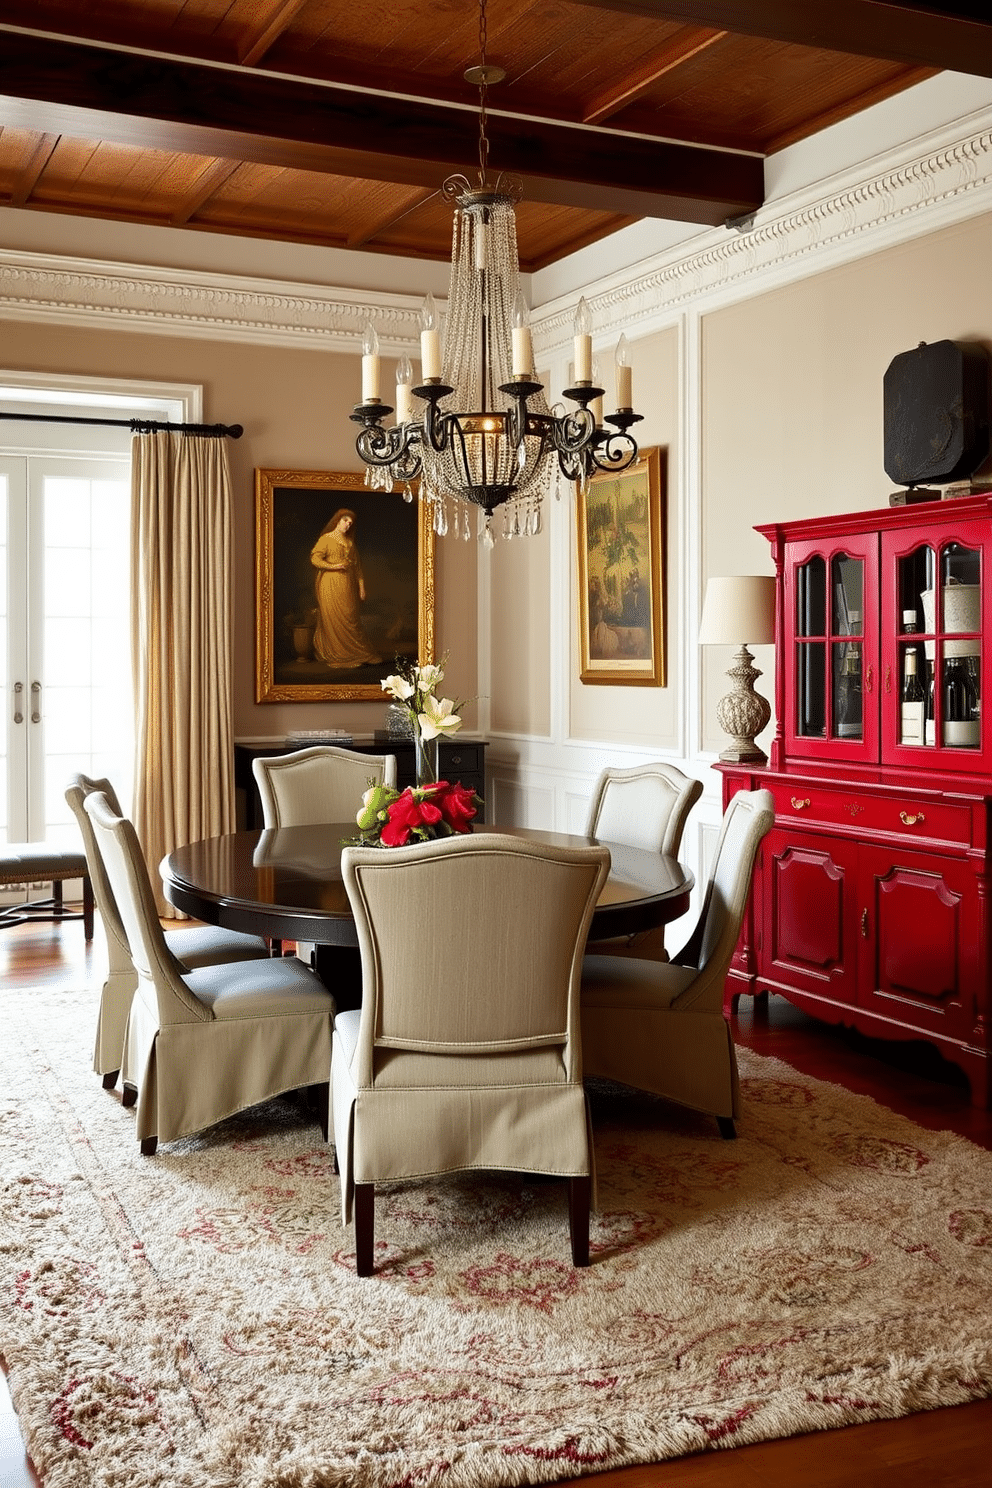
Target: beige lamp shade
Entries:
(738, 611)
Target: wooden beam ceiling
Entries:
(955, 36)
(162, 103)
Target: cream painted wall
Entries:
(520, 632)
(640, 716)
(792, 412)
(293, 405)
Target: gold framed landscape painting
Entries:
(344, 584)
(620, 524)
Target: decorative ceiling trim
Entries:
(905, 194)
(178, 302)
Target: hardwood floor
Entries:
(943, 1448)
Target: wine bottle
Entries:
(913, 706)
(960, 725)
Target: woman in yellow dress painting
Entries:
(340, 642)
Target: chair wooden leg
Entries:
(320, 1100)
(148, 1146)
(728, 1130)
(87, 908)
(129, 1095)
(110, 1079)
(364, 1228)
(579, 1200)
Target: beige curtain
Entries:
(181, 642)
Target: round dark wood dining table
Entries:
(285, 882)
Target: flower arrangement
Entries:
(413, 687)
(392, 818)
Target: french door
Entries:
(64, 637)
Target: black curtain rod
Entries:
(137, 426)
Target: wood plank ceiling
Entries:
(319, 121)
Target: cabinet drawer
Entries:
(464, 757)
(908, 817)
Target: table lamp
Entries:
(737, 611)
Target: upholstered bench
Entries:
(39, 862)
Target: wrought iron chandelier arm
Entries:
(377, 445)
(433, 427)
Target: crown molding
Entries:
(178, 302)
(908, 192)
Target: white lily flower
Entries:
(397, 687)
(428, 677)
(437, 718)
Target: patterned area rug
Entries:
(194, 1319)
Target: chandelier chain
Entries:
(483, 88)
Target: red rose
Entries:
(405, 816)
(458, 807)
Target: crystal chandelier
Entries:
(503, 451)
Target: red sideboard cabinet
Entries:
(870, 902)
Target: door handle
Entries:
(864, 923)
(35, 702)
(869, 679)
(18, 689)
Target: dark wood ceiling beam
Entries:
(684, 44)
(252, 46)
(887, 29)
(164, 104)
(33, 169)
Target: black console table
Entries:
(459, 758)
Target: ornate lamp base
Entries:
(743, 712)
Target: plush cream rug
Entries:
(194, 1319)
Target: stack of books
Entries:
(303, 737)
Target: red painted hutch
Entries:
(870, 904)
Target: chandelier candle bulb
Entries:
(523, 351)
(582, 344)
(430, 341)
(370, 365)
(404, 380)
(596, 406)
(624, 375)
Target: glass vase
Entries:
(425, 759)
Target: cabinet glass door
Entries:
(933, 685)
(830, 613)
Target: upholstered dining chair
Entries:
(323, 783)
(465, 1051)
(646, 806)
(661, 1026)
(201, 1045)
(192, 945)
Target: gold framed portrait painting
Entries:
(344, 584)
(620, 524)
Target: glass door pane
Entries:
(960, 624)
(811, 625)
(914, 582)
(846, 650)
(83, 677)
